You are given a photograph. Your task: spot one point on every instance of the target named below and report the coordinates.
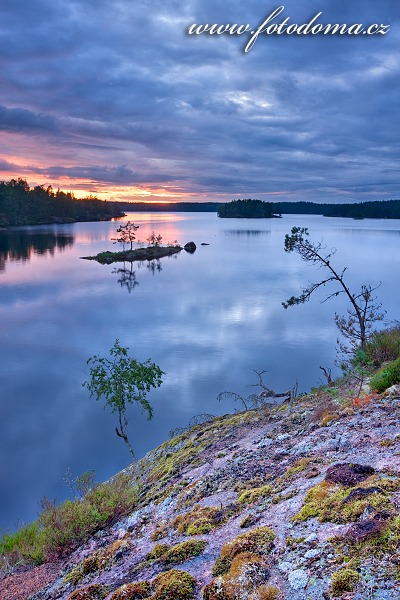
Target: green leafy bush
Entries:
(73, 522)
(386, 377)
(25, 545)
(120, 381)
(61, 529)
(383, 346)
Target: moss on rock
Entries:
(258, 541)
(99, 560)
(259, 493)
(132, 591)
(183, 551)
(247, 573)
(344, 580)
(174, 585)
(331, 502)
(158, 551)
(202, 520)
(95, 591)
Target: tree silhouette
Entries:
(127, 234)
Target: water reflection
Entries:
(127, 277)
(248, 232)
(21, 245)
(154, 266)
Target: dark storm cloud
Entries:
(123, 88)
(107, 175)
(20, 119)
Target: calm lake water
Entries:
(208, 319)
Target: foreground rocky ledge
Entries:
(266, 504)
(150, 253)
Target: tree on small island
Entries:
(127, 234)
(122, 381)
(247, 209)
(154, 240)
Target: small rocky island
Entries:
(155, 250)
(149, 253)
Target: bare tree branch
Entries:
(364, 311)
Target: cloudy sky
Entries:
(115, 98)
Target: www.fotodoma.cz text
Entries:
(270, 27)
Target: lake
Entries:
(208, 319)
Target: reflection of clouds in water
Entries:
(242, 313)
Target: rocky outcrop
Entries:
(190, 247)
(269, 503)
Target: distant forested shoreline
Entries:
(22, 205)
(379, 209)
(385, 209)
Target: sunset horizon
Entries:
(131, 105)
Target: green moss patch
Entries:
(158, 551)
(169, 585)
(380, 541)
(202, 520)
(95, 591)
(257, 541)
(256, 494)
(183, 552)
(174, 585)
(332, 502)
(344, 580)
(133, 591)
(99, 560)
(169, 465)
(247, 572)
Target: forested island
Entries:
(22, 205)
(244, 209)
